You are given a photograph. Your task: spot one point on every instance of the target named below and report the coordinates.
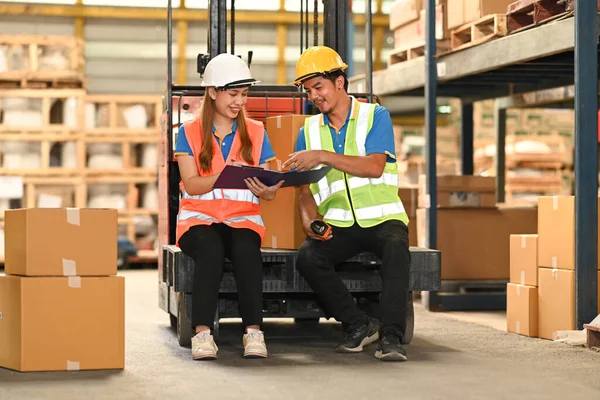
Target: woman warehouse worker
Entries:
(214, 223)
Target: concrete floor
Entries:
(450, 358)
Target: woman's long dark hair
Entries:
(207, 114)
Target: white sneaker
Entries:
(254, 344)
(203, 346)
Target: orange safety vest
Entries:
(238, 208)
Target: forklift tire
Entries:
(410, 324)
(184, 327)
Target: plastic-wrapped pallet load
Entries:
(107, 196)
(70, 112)
(136, 117)
(105, 156)
(54, 58)
(19, 111)
(69, 155)
(16, 156)
(149, 156)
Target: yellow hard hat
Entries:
(317, 60)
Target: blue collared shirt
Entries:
(380, 139)
(183, 147)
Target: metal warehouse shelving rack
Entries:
(559, 53)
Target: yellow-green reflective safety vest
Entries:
(375, 200)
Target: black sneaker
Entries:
(390, 348)
(358, 335)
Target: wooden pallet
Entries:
(109, 114)
(415, 52)
(45, 104)
(28, 66)
(47, 150)
(526, 14)
(477, 32)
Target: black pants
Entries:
(388, 241)
(208, 245)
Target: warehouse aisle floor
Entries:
(449, 359)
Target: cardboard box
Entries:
(441, 22)
(460, 191)
(462, 12)
(523, 260)
(62, 323)
(471, 252)
(282, 216)
(409, 196)
(412, 34)
(409, 35)
(522, 309)
(455, 14)
(61, 242)
(556, 302)
(556, 227)
(404, 11)
(476, 9)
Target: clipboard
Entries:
(232, 177)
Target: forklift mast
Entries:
(182, 102)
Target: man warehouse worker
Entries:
(358, 198)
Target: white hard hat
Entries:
(227, 70)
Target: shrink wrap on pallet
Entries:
(70, 112)
(54, 58)
(69, 155)
(149, 156)
(107, 196)
(105, 161)
(29, 118)
(135, 117)
(150, 197)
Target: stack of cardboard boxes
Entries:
(61, 303)
(541, 292)
(472, 230)
(281, 216)
(407, 19)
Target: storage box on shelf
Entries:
(407, 21)
(410, 152)
(539, 155)
(461, 12)
(40, 61)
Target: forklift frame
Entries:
(286, 294)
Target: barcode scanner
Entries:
(320, 228)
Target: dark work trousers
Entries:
(208, 245)
(388, 241)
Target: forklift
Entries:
(286, 294)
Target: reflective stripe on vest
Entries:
(187, 214)
(341, 197)
(227, 194)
